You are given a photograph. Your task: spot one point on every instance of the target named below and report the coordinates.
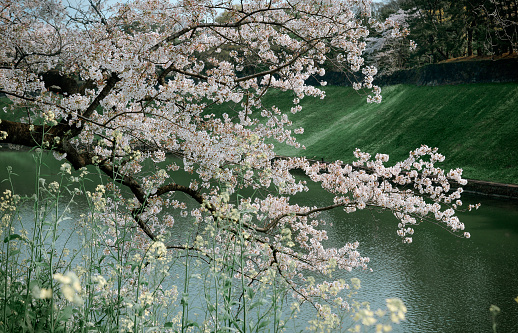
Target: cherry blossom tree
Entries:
(117, 86)
(389, 51)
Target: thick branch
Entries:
(273, 223)
(180, 188)
(21, 134)
(171, 38)
(110, 84)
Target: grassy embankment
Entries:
(475, 126)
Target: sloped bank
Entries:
(473, 125)
(453, 73)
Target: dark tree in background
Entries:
(461, 28)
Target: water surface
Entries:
(447, 283)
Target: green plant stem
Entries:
(185, 300)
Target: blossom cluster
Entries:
(70, 286)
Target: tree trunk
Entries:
(470, 40)
(445, 56)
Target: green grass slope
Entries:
(475, 126)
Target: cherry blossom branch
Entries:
(178, 34)
(274, 222)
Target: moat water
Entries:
(447, 283)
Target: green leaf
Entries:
(65, 314)
(258, 303)
(263, 324)
(185, 299)
(210, 307)
(65, 218)
(101, 258)
(11, 237)
(250, 292)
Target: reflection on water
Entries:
(447, 283)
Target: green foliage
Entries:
(450, 29)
